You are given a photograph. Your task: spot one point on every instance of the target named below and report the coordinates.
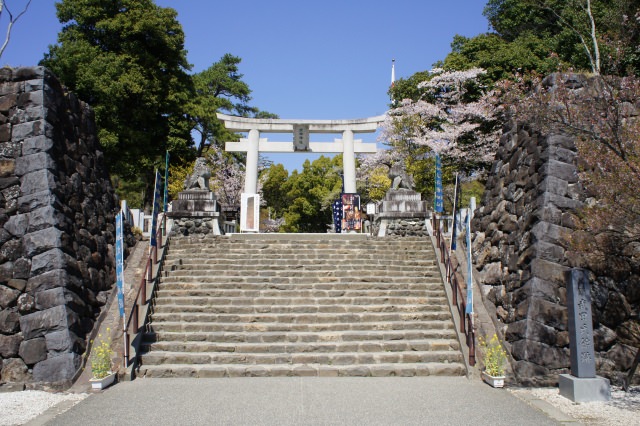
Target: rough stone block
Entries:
(57, 369)
(11, 250)
(38, 181)
(560, 202)
(10, 150)
(549, 233)
(28, 130)
(7, 167)
(41, 241)
(548, 271)
(7, 182)
(541, 354)
(9, 345)
(53, 279)
(50, 260)
(19, 285)
(59, 296)
(537, 287)
(28, 203)
(54, 319)
(36, 144)
(45, 217)
(563, 141)
(33, 350)
(64, 341)
(14, 370)
(22, 268)
(8, 296)
(541, 310)
(9, 322)
(34, 162)
(26, 303)
(554, 185)
(17, 225)
(533, 330)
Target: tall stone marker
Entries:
(582, 385)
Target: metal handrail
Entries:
(454, 279)
(134, 320)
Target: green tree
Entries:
(219, 88)
(311, 193)
(126, 58)
(274, 179)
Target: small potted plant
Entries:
(494, 359)
(102, 376)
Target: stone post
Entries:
(349, 162)
(251, 178)
(582, 385)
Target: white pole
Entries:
(251, 178)
(348, 162)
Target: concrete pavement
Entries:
(304, 401)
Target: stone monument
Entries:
(582, 385)
(402, 211)
(196, 209)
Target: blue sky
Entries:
(325, 59)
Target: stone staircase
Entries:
(300, 305)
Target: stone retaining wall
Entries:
(57, 209)
(520, 248)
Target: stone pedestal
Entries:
(195, 212)
(402, 213)
(584, 389)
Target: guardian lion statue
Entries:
(199, 179)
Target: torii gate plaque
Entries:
(301, 129)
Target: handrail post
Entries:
(149, 270)
(143, 291)
(136, 311)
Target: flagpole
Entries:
(393, 72)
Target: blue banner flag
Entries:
(166, 183)
(438, 202)
(469, 309)
(120, 263)
(454, 231)
(156, 209)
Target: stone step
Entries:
(293, 337)
(294, 309)
(306, 347)
(340, 358)
(279, 370)
(308, 282)
(292, 293)
(430, 290)
(293, 267)
(274, 327)
(308, 275)
(205, 302)
(303, 318)
(307, 255)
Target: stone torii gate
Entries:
(301, 130)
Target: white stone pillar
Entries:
(251, 177)
(348, 162)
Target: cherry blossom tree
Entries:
(453, 117)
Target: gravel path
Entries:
(17, 408)
(623, 409)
